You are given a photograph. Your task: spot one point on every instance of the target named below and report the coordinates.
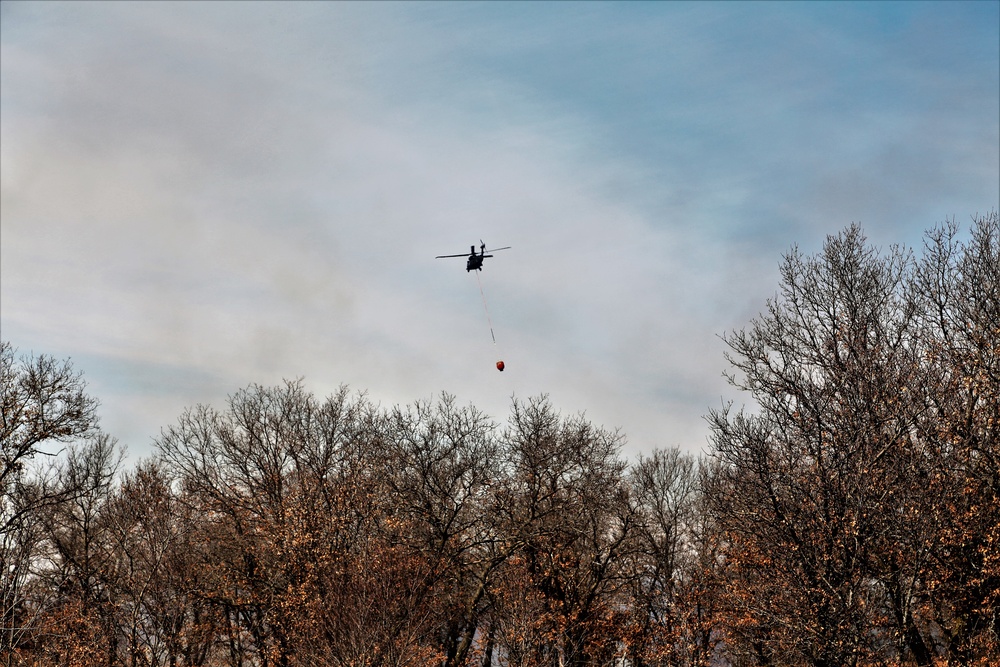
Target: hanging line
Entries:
(488, 320)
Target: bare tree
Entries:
(446, 462)
(672, 585)
(303, 555)
(958, 288)
(42, 402)
(806, 483)
(858, 504)
(43, 406)
(81, 626)
(566, 510)
(154, 571)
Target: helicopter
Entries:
(475, 262)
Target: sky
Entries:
(196, 197)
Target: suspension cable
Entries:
(486, 308)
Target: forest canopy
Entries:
(849, 515)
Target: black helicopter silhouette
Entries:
(475, 261)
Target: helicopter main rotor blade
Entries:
(504, 248)
(464, 254)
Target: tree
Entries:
(42, 401)
(958, 288)
(83, 624)
(807, 483)
(154, 541)
(857, 504)
(673, 572)
(566, 510)
(43, 406)
(305, 558)
(445, 465)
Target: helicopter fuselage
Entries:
(474, 262)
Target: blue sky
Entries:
(199, 196)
